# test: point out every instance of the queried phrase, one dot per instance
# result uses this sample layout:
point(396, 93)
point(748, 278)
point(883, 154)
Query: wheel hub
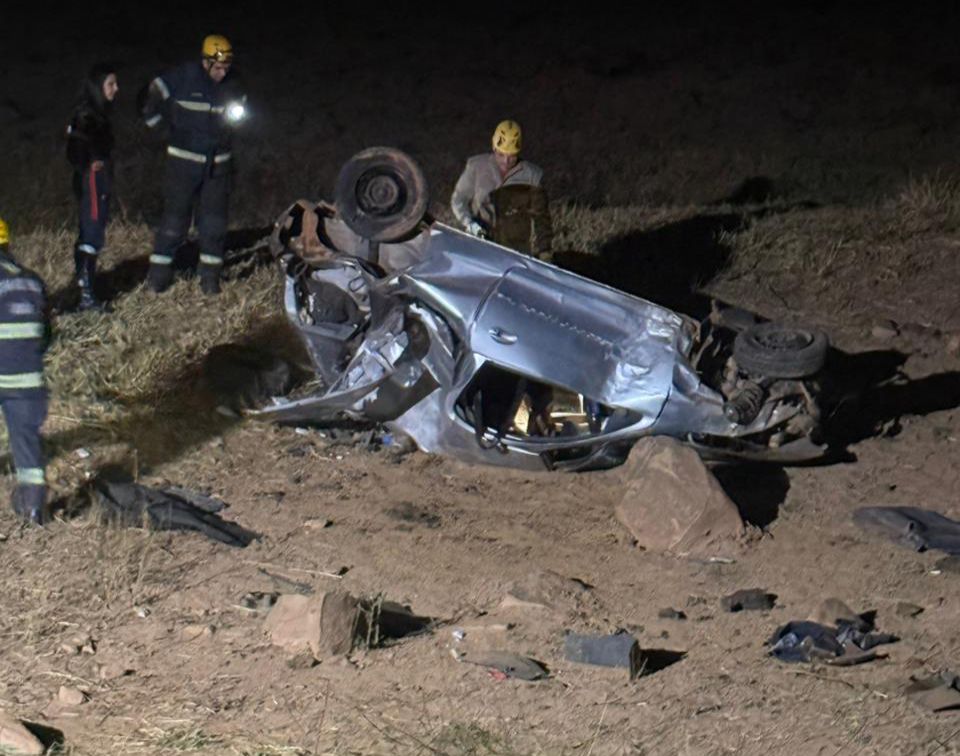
point(379, 193)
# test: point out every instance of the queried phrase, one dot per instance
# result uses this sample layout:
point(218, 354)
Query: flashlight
point(236, 112)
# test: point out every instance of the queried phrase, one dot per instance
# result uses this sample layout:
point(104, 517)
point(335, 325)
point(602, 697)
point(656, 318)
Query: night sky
point(827, 103)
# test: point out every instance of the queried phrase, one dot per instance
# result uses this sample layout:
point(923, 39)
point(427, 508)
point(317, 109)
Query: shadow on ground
point(866, 394)
point(243, 252)
point(757, 490)
point(665, 265)
point(203, 400)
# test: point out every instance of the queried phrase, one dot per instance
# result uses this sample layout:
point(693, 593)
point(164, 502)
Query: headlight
point(236, 112)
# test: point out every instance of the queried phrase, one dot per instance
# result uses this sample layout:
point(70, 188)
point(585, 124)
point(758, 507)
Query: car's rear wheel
point(773, 350)
point(381, 194)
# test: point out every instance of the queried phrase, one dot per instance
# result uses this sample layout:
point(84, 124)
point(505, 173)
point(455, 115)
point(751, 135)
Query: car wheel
point(773, 350)
point(381, 194)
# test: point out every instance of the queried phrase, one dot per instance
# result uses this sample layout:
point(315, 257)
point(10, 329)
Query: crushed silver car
point(480, 352)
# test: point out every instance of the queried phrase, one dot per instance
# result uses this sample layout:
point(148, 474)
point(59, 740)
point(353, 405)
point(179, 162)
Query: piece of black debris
point(940, 692)
point(259, 601)
point(619, 649)
point(912, 527)
point(906, 609)
point(133, 505)
point(749, 599)
point(671, 613)
point(509, 664)
point(841, 645)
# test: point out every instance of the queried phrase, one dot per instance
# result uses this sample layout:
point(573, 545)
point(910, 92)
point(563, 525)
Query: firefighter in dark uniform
point(201, 104)
point(89, 143)
point(23, 398)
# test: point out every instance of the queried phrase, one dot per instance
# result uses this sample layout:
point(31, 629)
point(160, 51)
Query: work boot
point(159, 277)
point(86, 268)
point(210, 279)
point(29, 503)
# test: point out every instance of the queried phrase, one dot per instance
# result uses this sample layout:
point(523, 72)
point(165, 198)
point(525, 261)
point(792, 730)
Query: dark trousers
point(93, 190)
point(187, 183)
point(24, 415)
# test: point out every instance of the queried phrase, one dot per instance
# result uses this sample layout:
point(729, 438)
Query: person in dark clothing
point(89, 144)
point(23, 398)
point(201, 104)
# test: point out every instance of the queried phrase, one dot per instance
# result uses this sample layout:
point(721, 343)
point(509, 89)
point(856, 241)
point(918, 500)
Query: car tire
point(381, 194)
point(774, 350)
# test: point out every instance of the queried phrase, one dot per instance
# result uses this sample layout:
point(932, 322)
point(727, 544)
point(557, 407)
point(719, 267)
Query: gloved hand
point(475, 229)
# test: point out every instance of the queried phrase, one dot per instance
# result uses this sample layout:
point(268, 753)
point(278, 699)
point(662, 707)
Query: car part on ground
point(482, 353)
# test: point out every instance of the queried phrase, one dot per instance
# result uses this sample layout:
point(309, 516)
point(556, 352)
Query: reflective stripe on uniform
point(154, 120)
point(162, 86)
point(199, 107)
point(87, 248)
point(21, 380)
point(196, 157)
point(157, 259)
point(210, 260)
point(31, 476)
point(12, 269)
point(21, 330)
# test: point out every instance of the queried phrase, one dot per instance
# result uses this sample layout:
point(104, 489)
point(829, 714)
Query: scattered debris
point(671, 613)
point(142, 612)
point(508, 665)
point(905, 609)
point(749, 599)
point(17, 739)
point(83, 453)
point(620, 649)
point(940, 692)
point(132, 505)
point(458, 634)
point(913, 527)
point(259, 601)
point(673, 503)
point(849, 639)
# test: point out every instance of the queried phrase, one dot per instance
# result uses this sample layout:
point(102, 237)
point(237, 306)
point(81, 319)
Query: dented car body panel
point(479, 352)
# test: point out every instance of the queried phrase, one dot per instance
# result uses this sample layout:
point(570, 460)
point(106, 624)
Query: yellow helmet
point(4, 232)
point(217, 48)
point(506, 138)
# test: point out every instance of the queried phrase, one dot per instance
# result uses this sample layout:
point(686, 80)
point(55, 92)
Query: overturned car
point(480, 352)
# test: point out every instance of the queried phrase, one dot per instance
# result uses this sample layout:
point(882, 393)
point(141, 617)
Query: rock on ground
point(17, 739)
point(672, 502)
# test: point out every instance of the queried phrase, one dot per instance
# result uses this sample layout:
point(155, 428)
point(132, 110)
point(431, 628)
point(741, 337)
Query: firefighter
point(201, 105)
point(23, 398)
point(89, 143)
point(484, 173)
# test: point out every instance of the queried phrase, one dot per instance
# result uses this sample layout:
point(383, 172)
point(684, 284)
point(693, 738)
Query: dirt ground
point(848, 219)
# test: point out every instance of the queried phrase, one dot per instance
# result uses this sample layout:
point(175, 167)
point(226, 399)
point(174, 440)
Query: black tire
point(381, 194)
point(773, 350)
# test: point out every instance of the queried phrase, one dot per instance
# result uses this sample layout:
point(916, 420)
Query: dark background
point(830, 103)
